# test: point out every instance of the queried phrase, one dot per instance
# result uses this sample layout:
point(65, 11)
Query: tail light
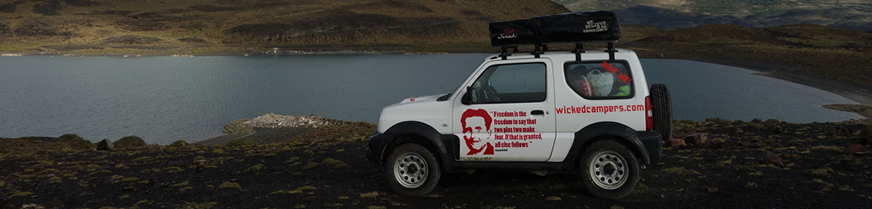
point(649, 114)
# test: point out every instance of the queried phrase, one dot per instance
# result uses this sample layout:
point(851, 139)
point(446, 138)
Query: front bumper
point(377, 144)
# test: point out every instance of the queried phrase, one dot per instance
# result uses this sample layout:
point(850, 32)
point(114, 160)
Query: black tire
point(412, 170)
point(609, 170)
point(661, 108)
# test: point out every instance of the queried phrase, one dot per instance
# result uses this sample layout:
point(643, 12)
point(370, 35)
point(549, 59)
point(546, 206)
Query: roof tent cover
point(573, 27)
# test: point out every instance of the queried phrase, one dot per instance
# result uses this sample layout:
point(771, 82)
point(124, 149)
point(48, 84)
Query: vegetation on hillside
point(204, 26)
point(839, 54)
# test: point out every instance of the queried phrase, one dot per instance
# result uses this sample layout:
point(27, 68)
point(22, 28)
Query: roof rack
point(576, 28)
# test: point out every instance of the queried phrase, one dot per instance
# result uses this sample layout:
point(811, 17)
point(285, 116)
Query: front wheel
point(609, 170)
point(411, 169)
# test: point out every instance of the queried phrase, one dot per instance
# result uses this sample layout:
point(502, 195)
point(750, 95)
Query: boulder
point(771, 158)
point(106, 144)
point(675, 143)
point(696, 138)
point(856, 149)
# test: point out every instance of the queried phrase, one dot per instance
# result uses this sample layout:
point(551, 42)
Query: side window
point(514, 83)
point(600, 80)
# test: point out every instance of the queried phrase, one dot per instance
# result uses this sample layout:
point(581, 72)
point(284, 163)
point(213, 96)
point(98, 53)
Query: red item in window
point(584, 87)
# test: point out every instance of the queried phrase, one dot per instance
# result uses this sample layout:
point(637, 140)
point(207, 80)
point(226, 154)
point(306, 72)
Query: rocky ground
point(325, 167)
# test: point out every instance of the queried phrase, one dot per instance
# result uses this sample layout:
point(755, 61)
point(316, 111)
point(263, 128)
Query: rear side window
point(600, 79)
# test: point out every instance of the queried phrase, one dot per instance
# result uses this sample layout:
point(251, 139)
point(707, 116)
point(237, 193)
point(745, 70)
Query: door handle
point(537, 112)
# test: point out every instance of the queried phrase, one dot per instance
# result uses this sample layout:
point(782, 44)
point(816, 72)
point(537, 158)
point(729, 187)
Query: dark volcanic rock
point(10, 7)
point(81, 3)
point(106, 144)
point(131, 39)
point(37, 27)
point(210, 8)
point(49, 7)
point(4, 28)
point(195, 40)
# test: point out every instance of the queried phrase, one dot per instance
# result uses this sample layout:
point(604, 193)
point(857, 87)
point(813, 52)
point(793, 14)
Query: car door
point(507, 114)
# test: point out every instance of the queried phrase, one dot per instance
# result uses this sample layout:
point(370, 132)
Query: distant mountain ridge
point(678, 14)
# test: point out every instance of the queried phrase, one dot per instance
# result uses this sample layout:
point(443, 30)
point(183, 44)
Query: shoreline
point(793, 73)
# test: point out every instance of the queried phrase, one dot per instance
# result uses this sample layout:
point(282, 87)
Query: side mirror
point(467, 97)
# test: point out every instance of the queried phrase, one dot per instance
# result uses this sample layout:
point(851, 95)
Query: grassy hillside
point(840, 54)
point(198, 26)
point(678, 14)
point(714, 7)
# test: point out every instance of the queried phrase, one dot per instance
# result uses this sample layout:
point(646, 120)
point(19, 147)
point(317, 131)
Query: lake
point(163, 99)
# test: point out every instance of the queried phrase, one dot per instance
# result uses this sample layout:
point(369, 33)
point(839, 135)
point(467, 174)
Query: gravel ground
point(332, 172)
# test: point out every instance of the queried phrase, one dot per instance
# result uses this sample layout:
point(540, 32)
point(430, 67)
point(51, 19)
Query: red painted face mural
point(477, 121)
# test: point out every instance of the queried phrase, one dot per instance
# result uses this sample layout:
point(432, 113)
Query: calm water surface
point(163, 99)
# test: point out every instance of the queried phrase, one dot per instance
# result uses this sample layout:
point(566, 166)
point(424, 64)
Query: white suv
point(586, 111)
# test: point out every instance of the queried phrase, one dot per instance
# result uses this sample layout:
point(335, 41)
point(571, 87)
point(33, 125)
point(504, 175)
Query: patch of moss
point(750, 185)
point(172, 169)
point(371, 194)
point(310, 166)
point(830, 148)
point(77, 142)
point(143, 158)
point(552, 198)
point(21, 194)
point(287, 192)
point(309, 152)
point(130, 179)
point(641, 186)
point(335, 163)
point(129, 141)
point(193, 205)
point(681, 171)
point(185, 189)
point(179, 143)
point(376, 207)
point(822, 171)
point(257, 167)
point(240, 142)
point(218, 151)
point(229, 185)
point(186, 183)
point(303, 188)
point(270, 154)
point(293, 159)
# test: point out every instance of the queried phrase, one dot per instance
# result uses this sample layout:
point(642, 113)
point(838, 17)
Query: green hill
point(202, 26)
point(839, 54)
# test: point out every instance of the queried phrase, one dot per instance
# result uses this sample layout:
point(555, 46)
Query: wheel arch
point(607, 131)
point(417, 132)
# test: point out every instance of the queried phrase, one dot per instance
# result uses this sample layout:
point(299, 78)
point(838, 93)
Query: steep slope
point(839, 54)
point(98, 26)
point(677, 14)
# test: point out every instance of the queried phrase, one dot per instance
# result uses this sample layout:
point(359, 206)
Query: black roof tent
point(575, 27)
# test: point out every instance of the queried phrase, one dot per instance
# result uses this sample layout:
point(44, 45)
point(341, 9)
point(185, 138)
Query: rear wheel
point(609, 170)
point(661, 109)
point(411, 169)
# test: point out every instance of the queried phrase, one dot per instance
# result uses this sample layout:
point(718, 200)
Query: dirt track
point(334, 173)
